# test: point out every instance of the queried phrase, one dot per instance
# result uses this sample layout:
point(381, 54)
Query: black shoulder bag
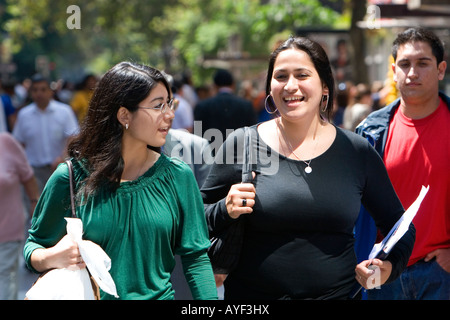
point(225, 248)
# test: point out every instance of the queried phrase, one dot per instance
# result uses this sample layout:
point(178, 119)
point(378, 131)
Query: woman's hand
point(65, 254)
point(375, 275)
point(240, 199)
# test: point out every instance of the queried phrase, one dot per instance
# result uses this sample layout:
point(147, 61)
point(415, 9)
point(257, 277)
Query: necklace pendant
point(308, 169)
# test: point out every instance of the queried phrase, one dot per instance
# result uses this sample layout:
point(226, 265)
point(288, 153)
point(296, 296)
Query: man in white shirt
point(44, 127)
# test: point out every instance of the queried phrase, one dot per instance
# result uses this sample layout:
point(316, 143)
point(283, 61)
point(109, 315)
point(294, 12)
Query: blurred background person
point(15, 172)
point(82, 96)
point(44, 128)
point(225, 110)
point(360, 109)
point(184, 114)
point(8, 112)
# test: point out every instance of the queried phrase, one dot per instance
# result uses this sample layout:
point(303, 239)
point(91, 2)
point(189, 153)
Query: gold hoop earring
point(268, 108)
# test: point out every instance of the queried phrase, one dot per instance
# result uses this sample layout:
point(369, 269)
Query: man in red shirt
point(413, 136)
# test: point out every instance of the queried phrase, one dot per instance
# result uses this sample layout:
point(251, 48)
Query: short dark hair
point(419, 34)
point(320, 60)
point(223, 78)
point(36, 78)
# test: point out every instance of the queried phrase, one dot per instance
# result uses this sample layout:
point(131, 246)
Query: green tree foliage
point(169, 34)
point(204, 27)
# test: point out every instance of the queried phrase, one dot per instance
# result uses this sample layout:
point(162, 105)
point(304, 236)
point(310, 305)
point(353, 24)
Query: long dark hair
point(99, 144)
point(320, 60)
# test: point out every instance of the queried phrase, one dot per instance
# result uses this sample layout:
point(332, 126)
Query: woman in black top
point(310, 179)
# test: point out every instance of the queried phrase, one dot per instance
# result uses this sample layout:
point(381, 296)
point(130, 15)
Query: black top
point(299, 239)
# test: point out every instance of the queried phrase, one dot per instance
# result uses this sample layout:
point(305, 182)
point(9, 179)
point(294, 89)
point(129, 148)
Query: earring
point(268, 108)
point(323, 109)
point(126, 126)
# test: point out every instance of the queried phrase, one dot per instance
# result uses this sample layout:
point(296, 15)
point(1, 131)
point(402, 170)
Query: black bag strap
point(225, 248)
point(72, 195)
point(247, 157)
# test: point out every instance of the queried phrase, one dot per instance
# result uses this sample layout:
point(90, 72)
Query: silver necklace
point(308, 168)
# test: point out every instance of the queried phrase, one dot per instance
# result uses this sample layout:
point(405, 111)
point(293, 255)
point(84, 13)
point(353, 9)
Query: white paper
point(97, 261)
point(62, 284)
point(66, 284)
point(400, 228)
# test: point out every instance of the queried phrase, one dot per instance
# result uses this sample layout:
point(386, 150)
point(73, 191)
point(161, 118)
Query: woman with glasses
point(139, 205)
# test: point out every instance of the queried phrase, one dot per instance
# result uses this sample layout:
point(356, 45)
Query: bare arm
point(64, 254)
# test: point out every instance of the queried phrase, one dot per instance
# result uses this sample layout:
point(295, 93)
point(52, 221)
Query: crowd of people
point(151, 190)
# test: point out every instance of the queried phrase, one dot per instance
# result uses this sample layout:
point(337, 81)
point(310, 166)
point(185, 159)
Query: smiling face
point(296, 87)
point(416, 72)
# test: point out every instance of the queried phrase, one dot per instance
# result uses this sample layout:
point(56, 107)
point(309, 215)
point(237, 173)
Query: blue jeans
point(421, 281)
point(9, 267)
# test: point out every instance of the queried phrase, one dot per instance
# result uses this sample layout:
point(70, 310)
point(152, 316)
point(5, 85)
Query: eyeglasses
point(172, 104)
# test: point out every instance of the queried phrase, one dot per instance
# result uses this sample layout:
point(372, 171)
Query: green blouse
point(141, 226)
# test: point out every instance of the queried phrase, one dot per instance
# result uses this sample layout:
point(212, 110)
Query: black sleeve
point(381, 201)
point(401, 252)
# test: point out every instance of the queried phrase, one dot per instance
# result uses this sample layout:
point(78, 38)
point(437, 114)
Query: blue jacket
point(375, 128)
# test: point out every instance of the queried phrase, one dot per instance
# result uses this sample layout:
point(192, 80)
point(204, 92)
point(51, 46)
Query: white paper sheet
point(65, 284)
point(400, 228)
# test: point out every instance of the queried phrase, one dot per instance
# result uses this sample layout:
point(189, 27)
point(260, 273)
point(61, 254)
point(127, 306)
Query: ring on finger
point(244, 202)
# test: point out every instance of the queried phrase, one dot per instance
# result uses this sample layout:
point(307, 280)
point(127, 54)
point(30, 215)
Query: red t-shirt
point(418, 153)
